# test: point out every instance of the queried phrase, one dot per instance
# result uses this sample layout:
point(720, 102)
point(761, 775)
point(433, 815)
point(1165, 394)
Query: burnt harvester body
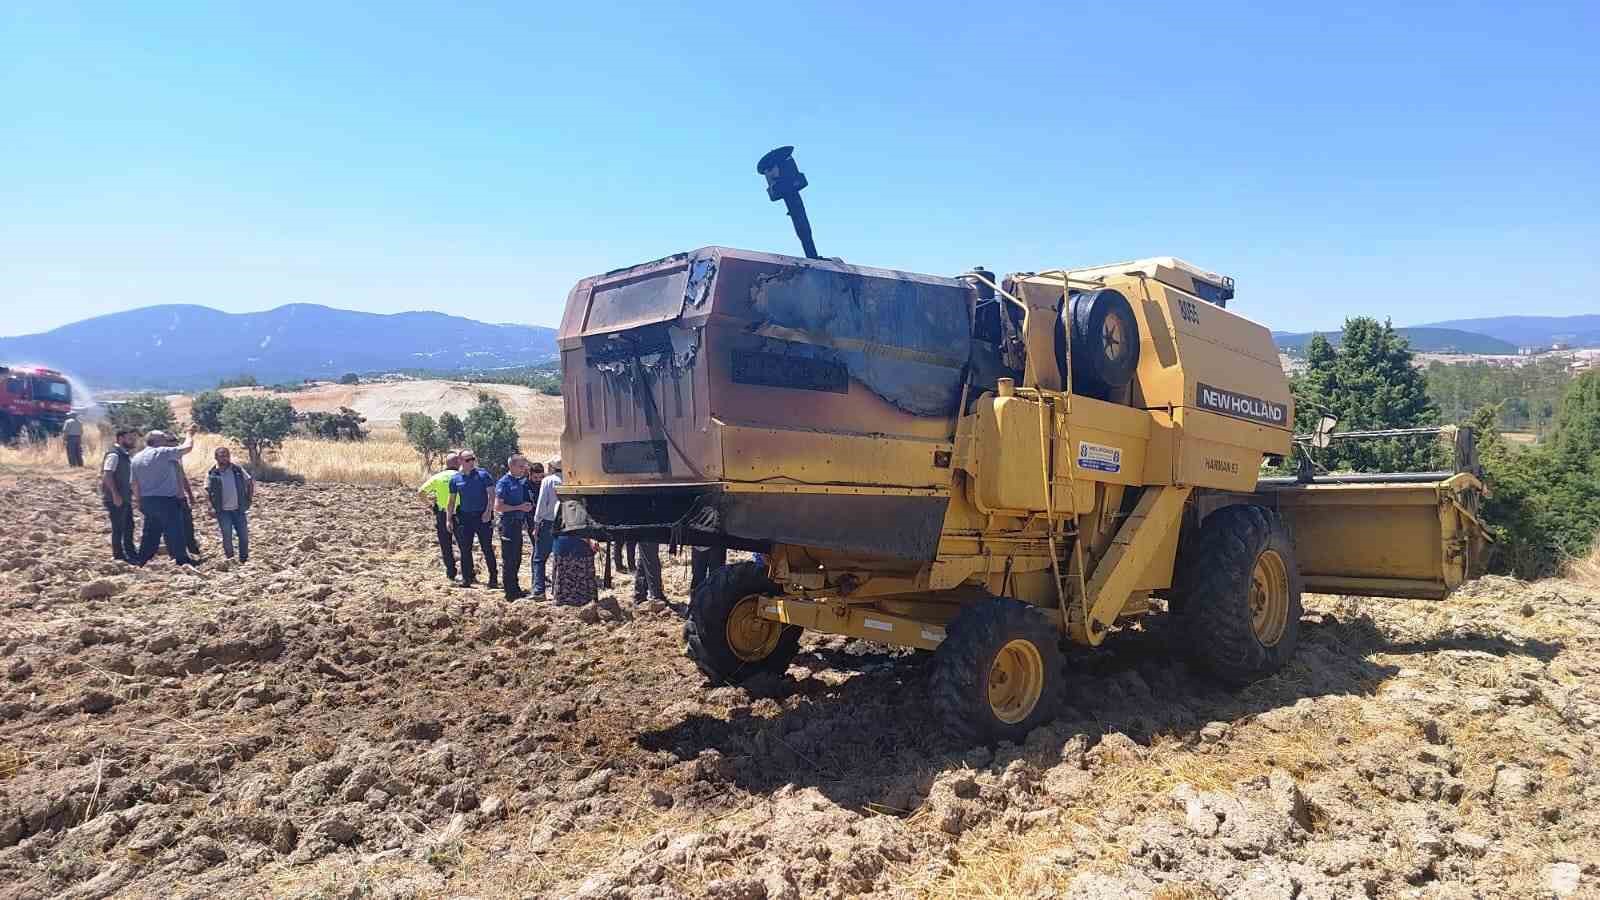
point(975, 467)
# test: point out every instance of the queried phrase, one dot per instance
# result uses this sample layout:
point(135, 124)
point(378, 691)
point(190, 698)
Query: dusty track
point(333, 720)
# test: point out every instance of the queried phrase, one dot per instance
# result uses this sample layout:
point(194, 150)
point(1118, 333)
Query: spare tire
point(1105, 342)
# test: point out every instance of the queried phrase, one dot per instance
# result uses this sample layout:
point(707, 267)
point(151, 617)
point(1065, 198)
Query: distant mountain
point(1423, 338)
point(1534, 331)
point(181, 347)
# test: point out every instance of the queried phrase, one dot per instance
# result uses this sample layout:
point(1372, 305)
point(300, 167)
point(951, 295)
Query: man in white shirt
point(72, 437)
point(544, 518)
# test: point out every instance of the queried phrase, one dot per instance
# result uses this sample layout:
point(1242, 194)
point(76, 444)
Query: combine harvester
point(974, 466)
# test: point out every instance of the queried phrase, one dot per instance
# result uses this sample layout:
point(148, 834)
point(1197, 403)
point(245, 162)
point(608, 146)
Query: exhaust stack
point(785, 181)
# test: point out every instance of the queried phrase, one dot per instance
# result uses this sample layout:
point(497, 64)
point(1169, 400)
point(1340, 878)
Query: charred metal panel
point(903, 339)
point(878, 525)
point(634, 457)
point(890, 526)
point(791, 365)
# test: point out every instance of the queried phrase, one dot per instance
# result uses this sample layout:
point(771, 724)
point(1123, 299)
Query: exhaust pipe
point(785, 181)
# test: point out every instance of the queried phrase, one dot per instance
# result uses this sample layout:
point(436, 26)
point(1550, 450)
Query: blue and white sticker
point(1099, 457)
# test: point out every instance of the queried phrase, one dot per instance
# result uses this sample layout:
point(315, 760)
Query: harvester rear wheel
point(998, 674)
point(726, 637)
point(1238, 594)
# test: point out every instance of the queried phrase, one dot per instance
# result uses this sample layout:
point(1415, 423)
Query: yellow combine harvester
point(974, 466)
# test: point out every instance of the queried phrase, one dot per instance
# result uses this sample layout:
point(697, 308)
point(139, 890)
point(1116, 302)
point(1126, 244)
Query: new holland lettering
point(1241, 406)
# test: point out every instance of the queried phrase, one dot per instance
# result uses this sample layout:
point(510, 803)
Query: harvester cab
point(976, 466)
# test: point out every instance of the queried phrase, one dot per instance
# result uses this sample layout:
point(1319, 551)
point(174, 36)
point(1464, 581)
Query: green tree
point(206, 410)
point(454, 430)
point(258, 423)
point(1577, 426)
point(1369, 382)
point(491, 433)
point(237, 381)
point(349, 378)
point(1543, 506)
point(335, 426)
point(143, 413)
point(424, 436)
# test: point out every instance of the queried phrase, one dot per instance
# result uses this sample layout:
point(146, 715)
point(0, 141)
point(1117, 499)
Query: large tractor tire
point(1237, 593)
point(726, 637)
point(998, 674)
point(1105, 342)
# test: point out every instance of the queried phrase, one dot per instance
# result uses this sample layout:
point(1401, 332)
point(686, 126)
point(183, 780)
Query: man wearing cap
point(544, 520)
point(436, 490)
point(116, 493)
point(471, 517)
point(513, 502)
point(72, 437)
point(156, 477)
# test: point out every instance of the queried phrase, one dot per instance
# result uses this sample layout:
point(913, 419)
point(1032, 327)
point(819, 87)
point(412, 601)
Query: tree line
point(1527, 396)
point(1543, 506)
point(258, 423)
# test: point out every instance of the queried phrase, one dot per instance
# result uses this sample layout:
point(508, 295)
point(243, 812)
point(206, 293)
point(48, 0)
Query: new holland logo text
point(1241, 406)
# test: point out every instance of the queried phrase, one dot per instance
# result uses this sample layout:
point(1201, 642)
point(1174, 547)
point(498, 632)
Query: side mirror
point(1320, 436)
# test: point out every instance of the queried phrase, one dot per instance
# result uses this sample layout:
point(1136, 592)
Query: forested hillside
point(1527, 396)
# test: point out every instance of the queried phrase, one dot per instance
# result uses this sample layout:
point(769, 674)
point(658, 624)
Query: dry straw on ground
point(384, 458)
point(1586, 570)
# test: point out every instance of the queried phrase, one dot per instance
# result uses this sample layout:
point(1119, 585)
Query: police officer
point(513, 503)
point(471, 517)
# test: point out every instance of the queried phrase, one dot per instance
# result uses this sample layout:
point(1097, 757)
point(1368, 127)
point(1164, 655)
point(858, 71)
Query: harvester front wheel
point(726, 637)
point(998, 673)
point(1238, 593)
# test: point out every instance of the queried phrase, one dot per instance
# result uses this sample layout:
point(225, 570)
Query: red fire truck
point(33, 400)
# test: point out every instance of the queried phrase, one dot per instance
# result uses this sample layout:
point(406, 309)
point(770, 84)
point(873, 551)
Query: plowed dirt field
point(335, 720)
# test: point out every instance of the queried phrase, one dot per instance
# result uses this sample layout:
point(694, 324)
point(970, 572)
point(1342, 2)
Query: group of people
point(153, 479)
point(465, 499)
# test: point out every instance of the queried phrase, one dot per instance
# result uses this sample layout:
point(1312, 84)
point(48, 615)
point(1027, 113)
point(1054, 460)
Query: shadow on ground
point(857, 732)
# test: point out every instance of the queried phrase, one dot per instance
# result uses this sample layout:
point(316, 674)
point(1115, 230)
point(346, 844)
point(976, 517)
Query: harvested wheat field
point(334, 720)
point(383, 402)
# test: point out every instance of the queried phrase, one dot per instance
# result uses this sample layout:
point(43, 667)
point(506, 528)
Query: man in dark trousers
point(545, 506)
point(437, 492)
point(72, 438)
point(156, 478)
point(702, 562)
point(186, 505)
point(471, 517)
point(513, 503)
point(116, 492)
point(647, 574)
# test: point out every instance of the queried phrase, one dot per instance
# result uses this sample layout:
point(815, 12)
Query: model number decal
point(1241, 406)
point(1189, 311)
point(1222, 465)
point(1099, 457)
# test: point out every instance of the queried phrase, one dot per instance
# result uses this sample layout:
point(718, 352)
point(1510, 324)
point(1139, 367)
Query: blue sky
point(1405, 160)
